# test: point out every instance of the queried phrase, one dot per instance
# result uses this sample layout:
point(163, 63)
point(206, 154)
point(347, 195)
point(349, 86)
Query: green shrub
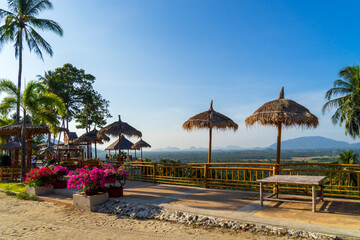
point(5, 161)
point(50, 162)
point(25, 196)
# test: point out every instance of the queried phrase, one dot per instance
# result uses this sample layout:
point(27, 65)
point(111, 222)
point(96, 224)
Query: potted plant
point(39, 181)
point(115, 180)
point(60, 172)
point(88, 180)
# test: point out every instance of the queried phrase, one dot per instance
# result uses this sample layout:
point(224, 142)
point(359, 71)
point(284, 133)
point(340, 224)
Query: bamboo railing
point(343, 180)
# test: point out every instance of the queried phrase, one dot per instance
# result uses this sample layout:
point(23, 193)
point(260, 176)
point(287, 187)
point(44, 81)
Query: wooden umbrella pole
point(278, 146)
point(119, 147)
point(95, 151)
point(141, 154)
point(210, 137)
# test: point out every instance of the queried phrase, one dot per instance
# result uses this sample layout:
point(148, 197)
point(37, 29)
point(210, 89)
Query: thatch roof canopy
point(72, 135)
point(31, 130)
point(45, 144)
point(48, 149)
point(119, 128)
point(210, 119)
point(284, 111)
point(91, 137)
point(16, 145)
point(140, 144)
point(125, 144)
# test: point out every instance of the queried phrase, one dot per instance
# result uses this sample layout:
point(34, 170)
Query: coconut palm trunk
point(23, 137)
point(19, 76)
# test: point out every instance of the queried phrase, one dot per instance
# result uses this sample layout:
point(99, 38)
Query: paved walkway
point(340, 217)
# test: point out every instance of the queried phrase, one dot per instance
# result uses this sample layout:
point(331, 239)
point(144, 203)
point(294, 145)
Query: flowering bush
point(87, 179)
point(97, 178)
point(115, 177)
point(40, 177)
point(59, 172)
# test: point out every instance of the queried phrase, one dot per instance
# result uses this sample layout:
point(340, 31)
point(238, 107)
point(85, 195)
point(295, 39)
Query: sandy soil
point(20, 219)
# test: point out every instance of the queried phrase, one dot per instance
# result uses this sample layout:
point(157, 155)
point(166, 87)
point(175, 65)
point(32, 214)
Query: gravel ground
point(20, 219)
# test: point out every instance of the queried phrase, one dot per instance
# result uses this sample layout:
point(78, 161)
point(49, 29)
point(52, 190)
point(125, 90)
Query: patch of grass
point(13, 186)
point(26, 196)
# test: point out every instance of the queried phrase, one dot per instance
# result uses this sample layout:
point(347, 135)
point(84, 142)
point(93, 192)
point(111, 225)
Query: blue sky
point(160, 62)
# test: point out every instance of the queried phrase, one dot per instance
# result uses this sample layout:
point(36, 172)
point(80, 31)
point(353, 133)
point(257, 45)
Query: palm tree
point(348, 103)
point(20, 23)
point(346, 157)
point(35, 101)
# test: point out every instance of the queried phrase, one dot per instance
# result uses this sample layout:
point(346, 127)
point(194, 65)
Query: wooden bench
point(313, 181)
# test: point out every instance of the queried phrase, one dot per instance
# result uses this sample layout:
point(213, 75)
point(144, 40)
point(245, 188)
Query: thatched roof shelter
point(125, 144)
point(16, 145)
point(210, 119)
point(141, 144)
point(117, 129)
point(282, 112)
point(48, 149)
point(92, 137)
point(31, 130)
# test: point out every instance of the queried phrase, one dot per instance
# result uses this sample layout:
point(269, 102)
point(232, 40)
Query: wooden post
point(1, 174)
point(206, 171)
point(261, 194)
point(141, 153)
point(95, 151)
point(278, 144)
point(154, 173)
point(119, 145)
point(314, 198)
point(210, 138)
point(28, 153)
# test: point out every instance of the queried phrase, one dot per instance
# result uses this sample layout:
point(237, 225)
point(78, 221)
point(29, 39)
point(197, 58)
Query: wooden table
point(313, 181)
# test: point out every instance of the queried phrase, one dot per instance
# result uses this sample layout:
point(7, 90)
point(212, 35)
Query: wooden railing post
point(154, 173)
point(1, 174)
point(206, 172)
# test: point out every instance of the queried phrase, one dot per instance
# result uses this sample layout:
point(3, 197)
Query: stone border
point(143, 211)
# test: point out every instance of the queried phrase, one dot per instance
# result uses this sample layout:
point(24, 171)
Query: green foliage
point(50, 162)
point(25, 196)
point(346, 157)
point(82, 102)
point(147, 160)
point(21, 21)
point(347, 105)
point(165, 160)
point(5, 161)
point(13, 186)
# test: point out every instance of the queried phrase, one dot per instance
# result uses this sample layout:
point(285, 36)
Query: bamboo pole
point(119, 146)
point(210, 137)
point(95, 151)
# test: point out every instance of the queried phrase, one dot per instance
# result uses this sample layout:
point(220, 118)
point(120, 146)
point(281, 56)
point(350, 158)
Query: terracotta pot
point(91, 192)
point(60, 184)
point(115, 192)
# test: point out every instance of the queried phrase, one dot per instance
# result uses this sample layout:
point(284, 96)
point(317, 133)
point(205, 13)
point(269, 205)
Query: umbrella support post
point(210, 138)
point(28, 153)
point(278, 149)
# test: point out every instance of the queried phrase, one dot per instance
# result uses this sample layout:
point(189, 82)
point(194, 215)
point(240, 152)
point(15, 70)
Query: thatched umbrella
point(117, 129)
point(125, 144)
point(282, 112)
point(92, 137)
point(140, 144)
point(210, 119)
point(31, 131)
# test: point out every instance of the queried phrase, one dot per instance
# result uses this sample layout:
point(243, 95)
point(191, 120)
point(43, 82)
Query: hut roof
point(46, 144)
point(118, 128)
point(91, 137)
point(72, 135)
point(48, 149)
point(210, 119)
point(16, 145)
point(15, 129)
point(140, 144)
point(284, 111)
point(125, 144)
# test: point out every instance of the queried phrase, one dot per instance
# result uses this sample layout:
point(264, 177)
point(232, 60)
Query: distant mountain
point(195, 149)
point(167, 149)
point(315, 142)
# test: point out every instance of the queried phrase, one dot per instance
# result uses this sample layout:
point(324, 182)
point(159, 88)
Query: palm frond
point(39, 6)
point(46, 24)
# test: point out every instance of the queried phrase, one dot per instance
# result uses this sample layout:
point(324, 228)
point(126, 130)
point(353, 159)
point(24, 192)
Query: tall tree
point(345, 97)
point(69, 83)
point(21, 23)
point(35, 101)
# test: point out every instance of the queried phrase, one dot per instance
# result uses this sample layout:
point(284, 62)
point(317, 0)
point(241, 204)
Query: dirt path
point(20, 219)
